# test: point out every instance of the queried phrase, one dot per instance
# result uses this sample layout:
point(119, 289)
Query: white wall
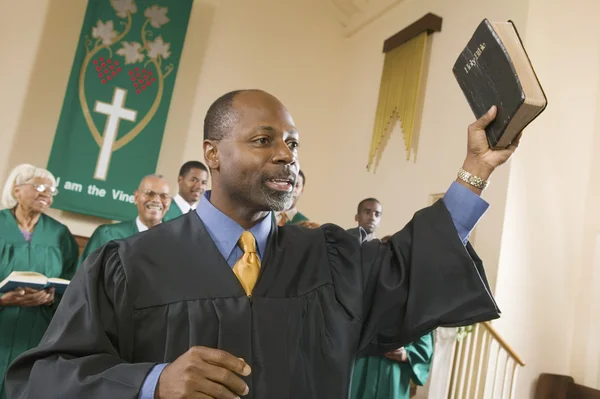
point(19, 58)
point(541, 260)
point(585, 362)
point(586, 346)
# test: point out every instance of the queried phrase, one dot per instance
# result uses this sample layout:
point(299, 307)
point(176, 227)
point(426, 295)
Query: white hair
point(20, 175)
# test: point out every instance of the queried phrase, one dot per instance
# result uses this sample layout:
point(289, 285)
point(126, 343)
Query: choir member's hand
point(26, 297)
point(203, 373)
point(11, 298)
point(50, 301)
point(481, 160)
point(399, 355)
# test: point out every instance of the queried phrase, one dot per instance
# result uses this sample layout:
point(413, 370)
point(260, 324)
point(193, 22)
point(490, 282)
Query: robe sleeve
point(70, 253)
point(88, 347)
point(419, 355)
point(421, 279)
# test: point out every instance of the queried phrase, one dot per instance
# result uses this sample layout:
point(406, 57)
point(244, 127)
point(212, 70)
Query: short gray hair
point(20, 175)
point(153, 176)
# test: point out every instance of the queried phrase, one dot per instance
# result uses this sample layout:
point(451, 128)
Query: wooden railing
point(483, 366)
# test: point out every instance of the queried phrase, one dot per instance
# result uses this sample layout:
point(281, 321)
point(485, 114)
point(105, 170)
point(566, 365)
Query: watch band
point(473, 180)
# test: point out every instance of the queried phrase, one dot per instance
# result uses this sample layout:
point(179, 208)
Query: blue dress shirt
point(465, 208)
point(226, 233)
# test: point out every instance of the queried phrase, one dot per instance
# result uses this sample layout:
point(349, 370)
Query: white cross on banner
point(114, 112)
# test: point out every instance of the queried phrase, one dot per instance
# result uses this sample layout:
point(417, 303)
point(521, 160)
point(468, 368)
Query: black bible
point(494, 69)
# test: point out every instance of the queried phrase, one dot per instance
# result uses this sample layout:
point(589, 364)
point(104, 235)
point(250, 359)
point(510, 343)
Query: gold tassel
point(398, 94)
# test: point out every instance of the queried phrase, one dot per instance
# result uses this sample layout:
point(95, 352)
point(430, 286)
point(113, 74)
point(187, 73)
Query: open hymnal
point(32, 280)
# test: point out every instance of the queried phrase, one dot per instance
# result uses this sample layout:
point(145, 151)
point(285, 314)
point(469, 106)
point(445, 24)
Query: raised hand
point(480, 156)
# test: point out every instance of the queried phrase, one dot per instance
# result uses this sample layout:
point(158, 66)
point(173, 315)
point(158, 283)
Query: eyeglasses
point(41, 188)
point(151, 194)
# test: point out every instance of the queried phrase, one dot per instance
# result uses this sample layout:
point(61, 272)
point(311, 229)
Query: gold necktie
point(247, 267)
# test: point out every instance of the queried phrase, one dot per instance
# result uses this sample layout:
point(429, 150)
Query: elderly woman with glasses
point(30, 241)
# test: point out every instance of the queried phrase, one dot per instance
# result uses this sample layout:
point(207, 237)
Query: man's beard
point(277, 200)
point(265, 199)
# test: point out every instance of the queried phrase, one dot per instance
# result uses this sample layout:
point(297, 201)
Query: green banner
point(115, 109)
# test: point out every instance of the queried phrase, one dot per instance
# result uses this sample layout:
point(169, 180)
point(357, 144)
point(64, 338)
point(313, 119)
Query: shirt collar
point(226, 233)
point(361, 234)
point(183, 204)
point(365, 236)
point(140, 226)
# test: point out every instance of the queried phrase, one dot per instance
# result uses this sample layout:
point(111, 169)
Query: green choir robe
point(109, 232)
point(382, 378)
point(298, 217)
point(52, 251)
point(173, 212)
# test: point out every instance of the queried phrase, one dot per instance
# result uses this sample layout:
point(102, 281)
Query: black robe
point(321, 299)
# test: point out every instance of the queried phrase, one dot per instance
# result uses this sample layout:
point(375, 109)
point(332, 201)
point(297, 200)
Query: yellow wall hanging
point(401, 86)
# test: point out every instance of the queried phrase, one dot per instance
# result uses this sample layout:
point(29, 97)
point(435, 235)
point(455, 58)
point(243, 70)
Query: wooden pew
point(554, 386)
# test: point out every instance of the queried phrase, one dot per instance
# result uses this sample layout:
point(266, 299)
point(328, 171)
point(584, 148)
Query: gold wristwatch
point(473, 180)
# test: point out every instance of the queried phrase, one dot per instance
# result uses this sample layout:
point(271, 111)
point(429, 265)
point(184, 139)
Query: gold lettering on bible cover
point(473, 61)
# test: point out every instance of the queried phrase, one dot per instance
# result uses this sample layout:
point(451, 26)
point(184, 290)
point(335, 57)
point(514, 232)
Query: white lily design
point(132, 51)
point(104, 31)
point(157, 15)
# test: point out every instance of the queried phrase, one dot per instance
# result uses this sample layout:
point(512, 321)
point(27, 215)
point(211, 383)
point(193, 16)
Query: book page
point(32, 277)
point(57, 280)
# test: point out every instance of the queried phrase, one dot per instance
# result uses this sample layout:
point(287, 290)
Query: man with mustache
point(152, 199)
point(223, 303)
point(192, 182)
